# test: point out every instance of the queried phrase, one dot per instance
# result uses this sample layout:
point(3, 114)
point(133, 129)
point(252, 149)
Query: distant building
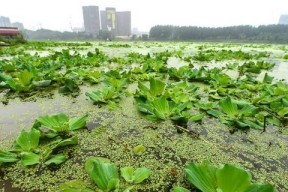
point(91, 19)
point(5, 22)
point(283, 20)
point(103, 16)
point(19, 25)
point(111, 20)
point(123, 23)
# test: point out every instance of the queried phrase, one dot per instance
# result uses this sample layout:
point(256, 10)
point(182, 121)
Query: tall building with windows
point(103, 16)
point(91, 19)
point(123, 23)
point(111, 20)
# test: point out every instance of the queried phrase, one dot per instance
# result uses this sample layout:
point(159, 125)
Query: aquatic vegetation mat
point(150, 112)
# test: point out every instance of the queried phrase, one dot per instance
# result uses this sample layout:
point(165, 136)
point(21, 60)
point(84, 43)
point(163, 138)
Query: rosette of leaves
point(22, 82)
point(162, 109)
point(255, 67)
point(156, 88)
point(274, 100)
point(104, 95)
point(118, 84)
point(182, 92)
point(69, 85)
point(59, 124)
point(238, 114)
point(103, 173)
point(181, 73)
point(135, 176)
point(30, 151)
point(226, 178)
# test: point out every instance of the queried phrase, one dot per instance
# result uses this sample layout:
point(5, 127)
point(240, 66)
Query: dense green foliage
point(269, 33)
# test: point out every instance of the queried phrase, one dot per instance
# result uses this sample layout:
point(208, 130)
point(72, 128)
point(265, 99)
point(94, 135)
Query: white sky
point(62, 14)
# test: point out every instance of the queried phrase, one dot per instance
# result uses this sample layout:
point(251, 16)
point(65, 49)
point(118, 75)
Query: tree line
point(245, 33)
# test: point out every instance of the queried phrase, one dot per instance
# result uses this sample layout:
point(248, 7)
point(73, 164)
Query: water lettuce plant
point(59, 124)
point(238, 114)
point(135, 176)
point(226, 178)
point(103, 173)
point(104, 95)
point(156, 88)
point(42, 144)
point(162, 109)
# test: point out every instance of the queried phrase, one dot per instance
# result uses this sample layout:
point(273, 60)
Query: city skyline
point(206, 13)
point(96, 20)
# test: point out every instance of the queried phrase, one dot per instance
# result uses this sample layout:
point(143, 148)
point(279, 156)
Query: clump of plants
point(106, 176)
point(43, 143)
point(225, 178)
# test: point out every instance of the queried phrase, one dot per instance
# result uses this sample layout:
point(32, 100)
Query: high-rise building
point(123, 23)
point(103, 16)
point(283, 20)
point(5, 22)
point(91, 19)
point(111, 20)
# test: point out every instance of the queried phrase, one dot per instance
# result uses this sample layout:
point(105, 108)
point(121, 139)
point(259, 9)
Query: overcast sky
point(62, 14)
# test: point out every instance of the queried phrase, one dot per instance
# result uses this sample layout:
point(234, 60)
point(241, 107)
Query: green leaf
point(214, 113)
point(104, 95)
point(28, 140)
point(29, 158)
point(25, 77)
point(283, 112)
point(180, 189)
point(104, 174)
point(56, 123)
point(161, 108)
point(70, 141)
point(260, 188)
point(229, 107)
point(202, 176)
point(135, 177)
point(7, 157)
point(77, 123)
point(267, 78)
point(156, 87)
point(74, 186)
point(141, 174)
point(197, 117)
point(127, 173)
point(139, 149)
point(232, 179)
point(113, 184)
point(56, 159)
